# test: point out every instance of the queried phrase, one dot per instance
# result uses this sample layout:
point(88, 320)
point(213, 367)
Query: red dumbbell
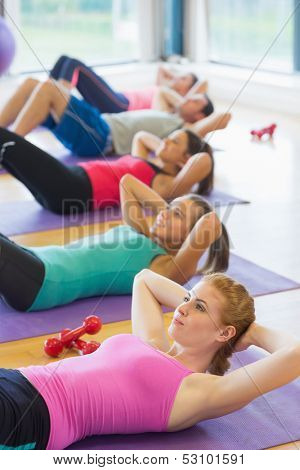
point(259, 133)
point(54, 346)
point(85, 347)
point(61, 334)
point(91, 325)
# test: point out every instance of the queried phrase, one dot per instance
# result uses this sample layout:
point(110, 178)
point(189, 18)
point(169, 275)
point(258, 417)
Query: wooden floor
point(267, 231)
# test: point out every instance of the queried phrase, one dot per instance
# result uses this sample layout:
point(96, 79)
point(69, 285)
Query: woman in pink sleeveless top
point(140, 382)
point(94, 89)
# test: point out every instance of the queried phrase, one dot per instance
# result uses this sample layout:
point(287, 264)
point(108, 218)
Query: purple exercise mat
point(269, 420)
point(21, 217)
point(18, 325)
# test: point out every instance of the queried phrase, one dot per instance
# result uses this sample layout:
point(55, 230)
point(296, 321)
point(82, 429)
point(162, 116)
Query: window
point(241, 31)
point(95, 31)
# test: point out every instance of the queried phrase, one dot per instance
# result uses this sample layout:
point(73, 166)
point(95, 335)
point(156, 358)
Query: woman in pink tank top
point(96, 91)
point(140, 382)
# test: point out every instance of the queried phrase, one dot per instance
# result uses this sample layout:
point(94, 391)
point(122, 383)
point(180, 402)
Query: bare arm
point(183, 265)
point(243, 385)
point(195, 170)
point(166, 99)
point(269, 339)
point(164, 75)
point(200, 87)
point(135, 197)
point(150, 291)
point(143, 143)
point(208, 124)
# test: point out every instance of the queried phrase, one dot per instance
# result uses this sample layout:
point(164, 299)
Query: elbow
point(212, 219)
point(139, 135)
point(142, 274)
point(127, 178)
point(296, 349)
point(124, 179)
point(204, 163)
point(211, 224)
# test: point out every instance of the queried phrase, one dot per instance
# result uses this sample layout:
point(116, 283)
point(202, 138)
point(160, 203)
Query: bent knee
point(63, 58)
point(30, 83)
point(48, 88)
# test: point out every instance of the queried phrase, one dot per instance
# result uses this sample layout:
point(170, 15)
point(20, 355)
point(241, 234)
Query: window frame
point(149, 26)
point(296, 42)
point(197, 37)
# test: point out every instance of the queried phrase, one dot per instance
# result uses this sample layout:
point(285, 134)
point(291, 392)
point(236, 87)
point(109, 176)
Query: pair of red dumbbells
point(70, 338)
point(259, 133)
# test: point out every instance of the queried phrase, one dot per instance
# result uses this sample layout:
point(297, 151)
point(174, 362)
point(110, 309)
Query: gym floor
point(266, 231)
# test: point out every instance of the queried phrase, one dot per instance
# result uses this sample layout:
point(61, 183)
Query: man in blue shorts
point(87, 132)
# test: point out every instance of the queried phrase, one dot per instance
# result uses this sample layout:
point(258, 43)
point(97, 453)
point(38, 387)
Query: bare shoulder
point(191, 403)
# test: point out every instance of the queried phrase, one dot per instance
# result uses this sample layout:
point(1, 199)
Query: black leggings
point(93, 88)
point(21, 275)
point(24, 415)
point(57, 187)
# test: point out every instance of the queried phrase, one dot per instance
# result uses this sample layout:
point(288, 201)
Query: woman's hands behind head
point(246, 339)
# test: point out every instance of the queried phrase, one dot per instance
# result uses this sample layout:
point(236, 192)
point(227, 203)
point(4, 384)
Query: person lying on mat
point(106, 263)
point(95, 184)
point(140, 382)
point(73, 73)
point(85, 131)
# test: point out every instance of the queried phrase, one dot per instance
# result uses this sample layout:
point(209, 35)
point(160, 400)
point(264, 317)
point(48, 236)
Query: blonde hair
point(238, 311)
